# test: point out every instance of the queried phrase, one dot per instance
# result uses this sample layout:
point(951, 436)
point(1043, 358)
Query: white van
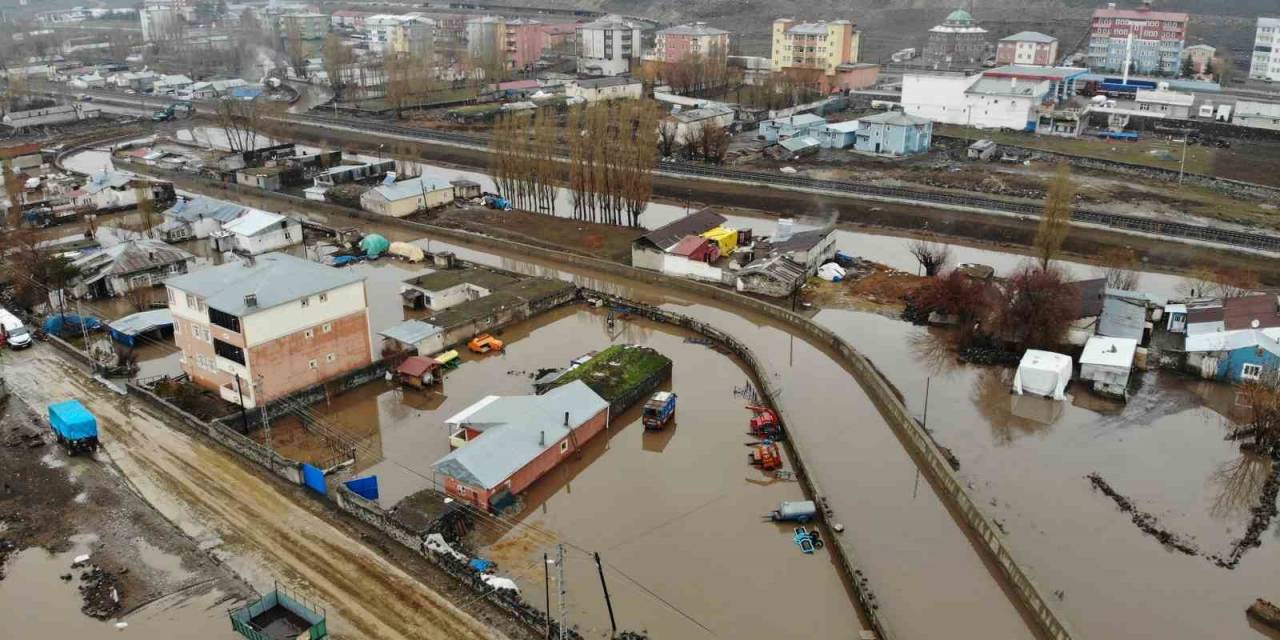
point(15, 333)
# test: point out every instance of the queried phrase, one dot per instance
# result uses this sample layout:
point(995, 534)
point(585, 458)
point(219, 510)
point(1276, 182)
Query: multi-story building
point(415, 35)
point(607, 46)
point(381, 29)
point(1265, 64)
point(161, 20)
point(308, 26)
point(1152, 41)
point(677, 43)
point(485, 37)
point(1027, 47)
point(1199, 57)
point(824, 54)
point(259, 329)
point(957, 41)
point(523, 42)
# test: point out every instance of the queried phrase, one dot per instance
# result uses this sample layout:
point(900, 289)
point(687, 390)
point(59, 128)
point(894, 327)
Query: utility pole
point(563, 595)
point(546, 587)
point(607, 602)
point(266, 429)
point(244, 420)
point(926, 402)
point(1182, 168)
point(84, 331)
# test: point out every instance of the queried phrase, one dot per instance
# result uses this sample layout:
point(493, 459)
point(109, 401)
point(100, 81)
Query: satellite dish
point(1254, 323)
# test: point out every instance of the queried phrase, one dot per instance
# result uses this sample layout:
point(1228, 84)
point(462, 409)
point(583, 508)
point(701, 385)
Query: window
point(191, 301)
point(306, 302)
point(309, 333)
point(287, 236)
point(177, 327)
point(313, 364)
point(224, 320)
point(326, 327)
point(228, 351)
point(324, 297)
point(1251, 371)
point(169, 292)
point(564, 446)
point(331, 357)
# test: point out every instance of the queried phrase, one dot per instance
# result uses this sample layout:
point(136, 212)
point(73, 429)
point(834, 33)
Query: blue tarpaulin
point(64, 323)
point(72, 421)
point(364, 487)
point(374, 245)
point(342, 261)
point(313, 478)
point(480, 564)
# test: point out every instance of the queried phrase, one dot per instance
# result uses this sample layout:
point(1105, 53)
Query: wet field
point(677, 511)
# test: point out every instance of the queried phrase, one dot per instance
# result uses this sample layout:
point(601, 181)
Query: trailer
point(795, 511)
point(73, 425)
point(659, 410)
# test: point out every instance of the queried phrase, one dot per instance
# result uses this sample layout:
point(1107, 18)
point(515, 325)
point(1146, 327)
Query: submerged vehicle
point(484, 343)
point(659, 410)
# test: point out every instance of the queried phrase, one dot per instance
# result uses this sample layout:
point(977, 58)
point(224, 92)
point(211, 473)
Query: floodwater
point(36, 603)
point(684, 507)
point(1026, 459)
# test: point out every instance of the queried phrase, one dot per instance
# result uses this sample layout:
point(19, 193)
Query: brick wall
point(285, 364)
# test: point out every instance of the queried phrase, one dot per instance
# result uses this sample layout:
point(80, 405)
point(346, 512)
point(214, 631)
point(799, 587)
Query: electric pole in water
point(608, 603)
point(563, 594)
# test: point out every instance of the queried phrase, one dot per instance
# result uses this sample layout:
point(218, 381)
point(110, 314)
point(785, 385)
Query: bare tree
point(1055, 221)
point(668, 136)
point(337, 57)
point(1259, 423)
point(295, 50)
point(1036, 309)
point(1119, 268)
point(931, 256)
point(240, 121)
point(714, 142)
point(1205, 282)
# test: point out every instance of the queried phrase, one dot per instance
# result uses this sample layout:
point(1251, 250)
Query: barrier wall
point(887, 400)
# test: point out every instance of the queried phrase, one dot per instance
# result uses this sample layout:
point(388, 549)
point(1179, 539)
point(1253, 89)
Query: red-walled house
point(505, 443)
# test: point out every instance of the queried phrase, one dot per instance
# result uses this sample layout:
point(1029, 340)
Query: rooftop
point(411, 188)
point(516, 430)
point(697, 223)
point(1141, 13)
point(1029, 36)
point(896, 118)
point(444, 279)
point(695, 29)
point(799, 143)
point(411, 331)
point(130, 256)
point(107, 180)
point(798, 241)
point(1034, 72)
point(1122, 318)
point(1251, 312)
point(274, 278)
point(1165, 97)
point(1008, 87)
point(609, 81)
point(1109, 352)
point(254, 222)
point(202, 207)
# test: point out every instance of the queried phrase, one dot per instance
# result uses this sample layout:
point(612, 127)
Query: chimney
point(542, 438)
point(566, 418)
point(251, 300)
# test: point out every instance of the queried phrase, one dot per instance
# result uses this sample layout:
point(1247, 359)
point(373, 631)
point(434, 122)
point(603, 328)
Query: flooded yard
point(1164, 450)
point(676, 512)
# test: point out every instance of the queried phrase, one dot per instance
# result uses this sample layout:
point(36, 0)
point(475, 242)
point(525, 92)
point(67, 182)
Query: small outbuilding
point(419, 371)
point(1107, 362)
point(982, 150)
point(1043, 373)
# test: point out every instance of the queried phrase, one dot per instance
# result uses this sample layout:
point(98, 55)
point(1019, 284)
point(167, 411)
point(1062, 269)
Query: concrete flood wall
point(873, 383)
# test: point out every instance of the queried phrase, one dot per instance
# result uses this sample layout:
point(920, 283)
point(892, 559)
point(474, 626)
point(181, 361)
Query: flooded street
point(1164, 450)
point(260, 533)
point(684, 506)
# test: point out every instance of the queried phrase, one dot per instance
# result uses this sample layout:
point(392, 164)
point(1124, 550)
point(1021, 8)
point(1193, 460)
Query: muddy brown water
point(676, 512)
point(1025, 459)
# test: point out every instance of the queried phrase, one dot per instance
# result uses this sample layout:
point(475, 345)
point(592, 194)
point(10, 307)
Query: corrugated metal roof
point(412, 188)
point(895, 118)
point(107, 180)
point(697, 223)
point(202, 207)
point(516, 430)
point(1029, 36)
point(411, 331)
point(129, 257)
point(142, 322)
point(800, 143)
point(695, 29)
point(1122, 318)
point(253, 222)
point(275, 278)
point(441, 280)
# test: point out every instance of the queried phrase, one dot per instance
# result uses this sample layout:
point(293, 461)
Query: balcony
point(230, 394)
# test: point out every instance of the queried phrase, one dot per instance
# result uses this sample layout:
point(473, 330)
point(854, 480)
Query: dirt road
point(262, 533)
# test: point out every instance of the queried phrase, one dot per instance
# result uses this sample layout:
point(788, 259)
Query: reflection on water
point(992, 395)
point(1239, 485)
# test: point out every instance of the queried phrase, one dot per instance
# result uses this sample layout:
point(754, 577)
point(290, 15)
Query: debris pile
point(1145, 521)
point(100, 590)
point(1263, 513)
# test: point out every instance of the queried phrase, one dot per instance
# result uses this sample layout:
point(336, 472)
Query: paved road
point(264, 533)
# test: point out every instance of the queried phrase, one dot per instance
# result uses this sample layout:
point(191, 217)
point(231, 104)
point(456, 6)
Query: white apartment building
point(974, 101)
point(1265, 64)
point(607, 46)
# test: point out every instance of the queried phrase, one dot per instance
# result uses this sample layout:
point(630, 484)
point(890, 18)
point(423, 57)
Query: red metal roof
point(688, 245)
point(1141, 14)
point(1240, 313)
point(416, 366)
point(19, 150)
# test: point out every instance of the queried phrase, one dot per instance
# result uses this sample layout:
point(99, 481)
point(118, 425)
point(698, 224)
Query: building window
point(224, 320)
point(228, 351)
point(324, 297)
point(331, 357)
point(309, 333)
point(1251, 371)
point(564, 446)
point(306, 302)
point(326, 327)
point(313, 364)
point(191, 301)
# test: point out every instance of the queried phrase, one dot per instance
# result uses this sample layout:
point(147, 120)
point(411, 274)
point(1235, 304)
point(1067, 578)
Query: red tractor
point(765, 423)
point(767, 456)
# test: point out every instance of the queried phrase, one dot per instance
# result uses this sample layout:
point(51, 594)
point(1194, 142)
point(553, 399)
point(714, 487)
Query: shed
point(423, 337)
point(649, 251)
point(797, 147)
point(697, 248)
point(1107, 362)
point(419, 371)
point(724, 238)
point(1043, 373)
point(1123, 318)
point(982, 150)
point(126, 330)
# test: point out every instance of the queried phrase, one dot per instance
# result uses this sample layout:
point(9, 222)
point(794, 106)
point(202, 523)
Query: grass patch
point(1150, 151)
point(616, 370)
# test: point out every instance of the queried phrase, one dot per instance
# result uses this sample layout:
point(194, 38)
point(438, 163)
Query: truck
point(14, 333)
point(73, 426)
point(484, 343)
point(659, 410)
point(172, 111)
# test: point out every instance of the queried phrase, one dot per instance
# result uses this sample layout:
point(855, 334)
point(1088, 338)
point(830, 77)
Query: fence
point(877, 387)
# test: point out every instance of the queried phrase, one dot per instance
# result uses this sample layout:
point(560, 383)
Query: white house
point(440, 290)
point(256, 232)
point(1107, 362)
point(171, 84)
point(111, 190)
point(609, 88)
point(54, 115)
point(1260, 115)
point(407, 196)
point(607, 46)
point(687, 122)
point(974, 101)
point(199, 218)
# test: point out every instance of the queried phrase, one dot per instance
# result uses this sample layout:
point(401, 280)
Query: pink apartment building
point(677, 43)
point(259, 329)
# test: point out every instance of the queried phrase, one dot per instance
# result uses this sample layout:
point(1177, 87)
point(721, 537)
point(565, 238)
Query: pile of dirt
point(100, 591)
point(867, 285)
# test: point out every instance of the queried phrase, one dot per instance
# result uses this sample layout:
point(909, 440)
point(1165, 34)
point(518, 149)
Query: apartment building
point(1265, 64)
point(1027, 47)
point(607, 47)
point(307, 26)
point(415, 35)
point(1151, 40)
point(675, 44)
point(485, 37)
point(258, 329)
point(821, 53)
point(957, 41)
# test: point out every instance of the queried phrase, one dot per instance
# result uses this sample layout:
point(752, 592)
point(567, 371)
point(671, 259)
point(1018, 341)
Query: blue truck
point(73, 425)
point(659, 410)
